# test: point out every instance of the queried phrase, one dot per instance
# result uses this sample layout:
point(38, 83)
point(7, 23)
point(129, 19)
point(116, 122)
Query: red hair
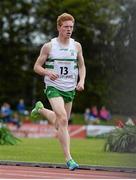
point(64, 17)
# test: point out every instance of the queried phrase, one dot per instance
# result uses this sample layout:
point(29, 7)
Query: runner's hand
point(52, 75)
point(80, 86)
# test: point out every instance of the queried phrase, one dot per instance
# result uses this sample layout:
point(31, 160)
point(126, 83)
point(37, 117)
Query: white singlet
point(62, 60)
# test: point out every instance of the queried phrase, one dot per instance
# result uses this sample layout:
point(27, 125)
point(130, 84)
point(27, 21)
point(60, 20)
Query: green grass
point(85, 151)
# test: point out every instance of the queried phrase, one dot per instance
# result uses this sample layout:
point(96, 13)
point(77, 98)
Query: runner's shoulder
point(78, 46)
point(47, 47)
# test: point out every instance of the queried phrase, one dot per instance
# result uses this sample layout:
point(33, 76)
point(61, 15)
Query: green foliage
point(122, 140)
point(6, 137)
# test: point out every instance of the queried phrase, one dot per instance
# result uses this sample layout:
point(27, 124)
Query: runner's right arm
point(38, 66)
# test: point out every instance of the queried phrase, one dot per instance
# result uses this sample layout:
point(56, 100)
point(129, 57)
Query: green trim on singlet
point(52, 60)
point(52, 66)
point(49, 66)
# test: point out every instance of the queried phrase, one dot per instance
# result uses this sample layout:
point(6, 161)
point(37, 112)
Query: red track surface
point(23, 172)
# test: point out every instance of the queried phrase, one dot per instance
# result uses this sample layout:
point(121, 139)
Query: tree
point(26, 25)
point(123, 88)
point(16, 50)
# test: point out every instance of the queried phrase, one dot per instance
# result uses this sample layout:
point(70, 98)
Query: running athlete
point(64, 73)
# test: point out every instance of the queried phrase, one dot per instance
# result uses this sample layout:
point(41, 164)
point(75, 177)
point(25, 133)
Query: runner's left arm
point(81, 67)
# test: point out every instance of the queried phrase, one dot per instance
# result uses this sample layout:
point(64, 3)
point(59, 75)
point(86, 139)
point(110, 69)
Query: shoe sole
point(74, 168)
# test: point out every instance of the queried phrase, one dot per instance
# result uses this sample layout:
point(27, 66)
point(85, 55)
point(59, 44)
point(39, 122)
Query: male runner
point(64, 67)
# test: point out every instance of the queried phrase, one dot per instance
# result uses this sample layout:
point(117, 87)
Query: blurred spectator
point(90, 118)
point(94, 112)
point(87, 115)
point(104, 114)
point(8, 116)
point(21, 108)
point(6, 112)
point(15, 120)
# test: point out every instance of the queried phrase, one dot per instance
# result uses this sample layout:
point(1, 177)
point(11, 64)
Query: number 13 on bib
point(65, 69)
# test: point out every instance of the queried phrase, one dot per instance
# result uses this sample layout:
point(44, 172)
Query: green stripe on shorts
point(52, 92)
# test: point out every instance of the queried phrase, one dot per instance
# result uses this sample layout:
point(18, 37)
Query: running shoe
point(72, 165)
point(35, 115)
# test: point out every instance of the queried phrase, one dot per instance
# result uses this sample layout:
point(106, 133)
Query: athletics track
point(19, 170)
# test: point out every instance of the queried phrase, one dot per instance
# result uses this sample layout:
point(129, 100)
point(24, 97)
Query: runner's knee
point(62, 119)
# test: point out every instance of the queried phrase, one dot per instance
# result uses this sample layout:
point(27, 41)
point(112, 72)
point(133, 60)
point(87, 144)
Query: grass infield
point(84, 151)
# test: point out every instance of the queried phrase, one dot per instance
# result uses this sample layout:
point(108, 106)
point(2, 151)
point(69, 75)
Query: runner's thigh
point(57, 104)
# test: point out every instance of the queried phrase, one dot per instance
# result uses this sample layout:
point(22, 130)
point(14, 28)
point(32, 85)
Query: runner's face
point(66, 29)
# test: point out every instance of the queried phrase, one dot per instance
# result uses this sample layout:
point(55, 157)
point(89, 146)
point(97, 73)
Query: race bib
point(65, 69)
